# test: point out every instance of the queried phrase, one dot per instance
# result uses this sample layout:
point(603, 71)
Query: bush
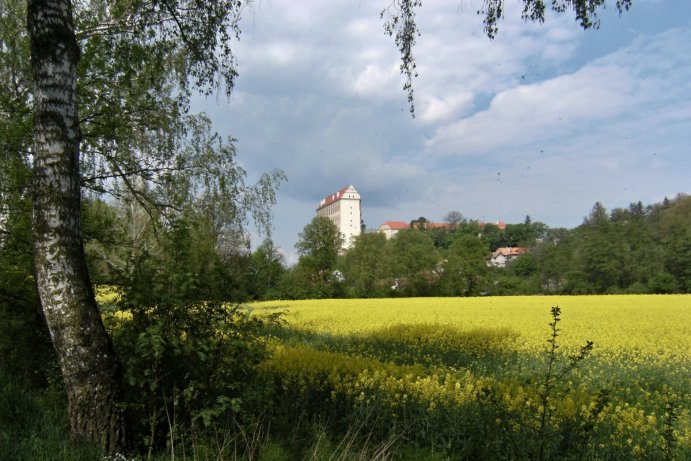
point(190, 372)
point(663, 283)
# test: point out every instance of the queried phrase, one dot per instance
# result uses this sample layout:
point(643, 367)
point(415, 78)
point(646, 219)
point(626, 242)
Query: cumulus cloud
point(647, 75)
point(375, 80)
point(530, 113)
point(533, 122)
point(435, 110)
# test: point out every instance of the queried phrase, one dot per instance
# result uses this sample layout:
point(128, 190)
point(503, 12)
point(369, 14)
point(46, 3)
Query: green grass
point(33, 425)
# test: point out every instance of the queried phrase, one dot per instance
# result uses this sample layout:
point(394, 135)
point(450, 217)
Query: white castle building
point(343, 208)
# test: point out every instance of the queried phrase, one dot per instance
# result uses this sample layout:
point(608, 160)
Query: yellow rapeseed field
point(432, 365)
point(657, 326)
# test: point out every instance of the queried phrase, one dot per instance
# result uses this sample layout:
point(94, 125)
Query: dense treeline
point(634, 250)
point(639, 249)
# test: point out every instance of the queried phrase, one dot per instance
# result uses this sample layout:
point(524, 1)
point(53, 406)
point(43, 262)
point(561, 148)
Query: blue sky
point(545, 120)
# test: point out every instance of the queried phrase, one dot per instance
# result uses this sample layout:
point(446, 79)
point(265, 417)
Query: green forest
point(635, 250)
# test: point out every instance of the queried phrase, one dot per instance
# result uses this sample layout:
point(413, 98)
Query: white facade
point(391, 228)
point(343, 208)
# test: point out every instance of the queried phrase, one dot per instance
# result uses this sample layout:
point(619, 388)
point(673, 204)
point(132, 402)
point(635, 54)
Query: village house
point(391, 228)
point(502, 256)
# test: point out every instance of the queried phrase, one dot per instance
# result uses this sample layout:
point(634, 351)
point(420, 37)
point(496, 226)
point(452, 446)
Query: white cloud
point(320, 96)
point(625, 84)
point(435, 110)
point(281, 53)
point(375, 80)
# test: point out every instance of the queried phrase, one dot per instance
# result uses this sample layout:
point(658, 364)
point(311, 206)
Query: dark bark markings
point(89, 366)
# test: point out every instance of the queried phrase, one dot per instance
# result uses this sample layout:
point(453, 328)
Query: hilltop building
point(344, 210)
point(391, 228)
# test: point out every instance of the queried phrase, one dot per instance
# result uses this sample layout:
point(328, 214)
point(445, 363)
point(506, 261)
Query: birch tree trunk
point(88, 363)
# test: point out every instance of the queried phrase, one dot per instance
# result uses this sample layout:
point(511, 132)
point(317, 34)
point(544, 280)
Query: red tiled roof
point(509, 251)
point(395, 225)
point(329, 199)
point(436, 225)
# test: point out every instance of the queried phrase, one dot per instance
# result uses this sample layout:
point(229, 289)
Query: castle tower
point(343, 208)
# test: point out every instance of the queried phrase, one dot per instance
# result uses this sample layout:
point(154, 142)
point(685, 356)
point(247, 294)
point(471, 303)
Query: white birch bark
point(87, 360)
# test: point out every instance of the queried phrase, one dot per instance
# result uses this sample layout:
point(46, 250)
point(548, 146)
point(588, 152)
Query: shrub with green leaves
point(190, 372)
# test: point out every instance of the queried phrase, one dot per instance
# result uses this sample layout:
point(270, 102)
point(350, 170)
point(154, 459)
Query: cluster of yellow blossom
point(427, 358)
point(658, 325)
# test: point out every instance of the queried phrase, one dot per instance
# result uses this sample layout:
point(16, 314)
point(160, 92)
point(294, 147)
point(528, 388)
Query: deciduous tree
point(100, 58)
point(415, 262)
point(89, 366)
point(367, 266)
point(465, 272)
point(319, 244)
point(266, 271)
point(454, 218)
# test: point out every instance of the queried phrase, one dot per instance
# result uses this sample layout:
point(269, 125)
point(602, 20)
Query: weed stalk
point(553, 377)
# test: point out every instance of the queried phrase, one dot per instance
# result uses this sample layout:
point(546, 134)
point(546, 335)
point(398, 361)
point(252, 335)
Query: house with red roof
point(391, 228)
point(502, 256)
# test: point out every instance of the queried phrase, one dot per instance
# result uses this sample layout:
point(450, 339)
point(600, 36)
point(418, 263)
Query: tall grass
point(33, 424)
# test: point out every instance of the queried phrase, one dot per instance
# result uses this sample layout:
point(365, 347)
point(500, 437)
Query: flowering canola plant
point(441, 370)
